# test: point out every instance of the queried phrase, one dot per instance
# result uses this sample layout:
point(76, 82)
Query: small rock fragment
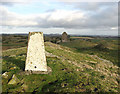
point(14, 80)
point(5, 75)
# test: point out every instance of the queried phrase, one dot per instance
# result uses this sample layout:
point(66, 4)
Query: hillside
point(107, 48)
point(71, 72)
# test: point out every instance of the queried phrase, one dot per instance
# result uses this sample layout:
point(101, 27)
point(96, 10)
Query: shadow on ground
point(18, 62)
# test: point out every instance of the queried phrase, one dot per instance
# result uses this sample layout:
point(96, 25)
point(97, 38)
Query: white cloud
point(59, 18)
point(114, 28)
point(65, 15)
point(51, 19)
point(98, 16)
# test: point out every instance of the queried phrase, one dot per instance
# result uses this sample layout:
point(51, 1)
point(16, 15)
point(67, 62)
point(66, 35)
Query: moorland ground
point(80, 65)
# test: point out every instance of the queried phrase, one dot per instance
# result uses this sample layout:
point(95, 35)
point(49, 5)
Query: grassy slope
point(72, 72)
point(87, 47)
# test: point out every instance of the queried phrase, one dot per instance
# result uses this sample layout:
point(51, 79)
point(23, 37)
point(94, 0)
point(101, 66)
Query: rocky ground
point(71, 72)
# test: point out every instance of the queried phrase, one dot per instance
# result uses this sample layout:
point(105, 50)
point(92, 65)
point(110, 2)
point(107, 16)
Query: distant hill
point(74, 35)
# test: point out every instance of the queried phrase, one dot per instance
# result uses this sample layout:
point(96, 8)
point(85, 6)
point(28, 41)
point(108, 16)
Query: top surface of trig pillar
point(36, 59)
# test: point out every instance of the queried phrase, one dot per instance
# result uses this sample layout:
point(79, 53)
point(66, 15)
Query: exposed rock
point(102, 60)
point(5, 75)
point(49, 54)
point(14, 80)
point(93, 62)
point(87, 66)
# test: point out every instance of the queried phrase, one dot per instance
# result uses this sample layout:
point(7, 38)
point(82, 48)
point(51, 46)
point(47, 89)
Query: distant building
point(64, 37)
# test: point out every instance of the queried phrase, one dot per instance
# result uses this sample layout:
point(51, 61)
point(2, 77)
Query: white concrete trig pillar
point(36, 59)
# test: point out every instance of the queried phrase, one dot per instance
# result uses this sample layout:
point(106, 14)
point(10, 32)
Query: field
point(81, 38)
point(77, 66)
point(13, 41)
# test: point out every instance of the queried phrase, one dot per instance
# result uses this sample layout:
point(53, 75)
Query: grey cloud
point(15, 2)
point(102, 19)
point(6, 3)
point(90, 6)
point(102, 15)
point(9, 2)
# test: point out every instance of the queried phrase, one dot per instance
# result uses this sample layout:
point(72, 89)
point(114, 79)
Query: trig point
point(36, 59)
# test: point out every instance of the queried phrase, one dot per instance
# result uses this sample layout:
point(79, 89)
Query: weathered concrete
point(49, 70)
point(36, 59)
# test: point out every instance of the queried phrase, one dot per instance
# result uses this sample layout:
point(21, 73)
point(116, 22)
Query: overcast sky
point(48, 16)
